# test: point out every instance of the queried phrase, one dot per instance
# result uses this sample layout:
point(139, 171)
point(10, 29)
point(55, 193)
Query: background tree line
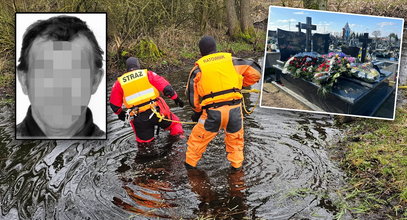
point(133, 20)
point(171, 28)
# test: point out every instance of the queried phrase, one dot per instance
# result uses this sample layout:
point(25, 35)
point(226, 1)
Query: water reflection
point(145, 180)
point(286, 174)
point(230, 205)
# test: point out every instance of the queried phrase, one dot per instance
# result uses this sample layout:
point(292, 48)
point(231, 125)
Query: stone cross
point(309, 27)
point(365, 40)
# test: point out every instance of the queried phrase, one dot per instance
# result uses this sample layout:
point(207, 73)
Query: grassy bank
point(6, 80)
point(375, 161)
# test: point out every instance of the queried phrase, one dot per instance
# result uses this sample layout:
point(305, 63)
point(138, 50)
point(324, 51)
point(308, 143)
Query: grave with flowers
point(336, 83)
point(331, 79)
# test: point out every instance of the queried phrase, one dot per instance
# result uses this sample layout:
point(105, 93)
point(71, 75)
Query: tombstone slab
point(352, 51)
point(346, 97)
point(320, 43)
point(290, 43)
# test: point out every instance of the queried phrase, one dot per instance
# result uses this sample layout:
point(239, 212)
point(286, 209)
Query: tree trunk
point(315, 4)
point(245, 18)
point(219, 13)
point(233, 22)
point(204, 16)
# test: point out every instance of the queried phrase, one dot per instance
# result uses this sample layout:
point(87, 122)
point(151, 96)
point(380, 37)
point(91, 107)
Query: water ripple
point(286, 174)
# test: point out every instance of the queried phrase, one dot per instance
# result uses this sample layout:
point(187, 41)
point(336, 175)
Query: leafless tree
point(376, 34)
point(315, 4)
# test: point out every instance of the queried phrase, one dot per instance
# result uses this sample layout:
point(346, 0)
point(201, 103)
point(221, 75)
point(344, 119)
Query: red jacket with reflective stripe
point(116, 96)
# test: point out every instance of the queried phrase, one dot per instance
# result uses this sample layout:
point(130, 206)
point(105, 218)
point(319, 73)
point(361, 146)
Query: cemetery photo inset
point(330, 62)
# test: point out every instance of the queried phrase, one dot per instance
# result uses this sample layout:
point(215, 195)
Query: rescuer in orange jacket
point(213, 91)
point(139, 89)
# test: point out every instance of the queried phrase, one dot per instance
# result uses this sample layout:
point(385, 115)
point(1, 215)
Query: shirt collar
point(32, 128)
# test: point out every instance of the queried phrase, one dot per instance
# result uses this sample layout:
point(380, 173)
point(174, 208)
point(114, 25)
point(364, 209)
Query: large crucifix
point(309, 27)
point(365, 40)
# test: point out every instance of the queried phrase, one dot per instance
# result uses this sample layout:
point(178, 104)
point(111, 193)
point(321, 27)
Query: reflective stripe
point(139, 94)
point(137, 89)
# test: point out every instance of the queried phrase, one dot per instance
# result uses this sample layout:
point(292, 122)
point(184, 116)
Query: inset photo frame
point(332, 63)
point(61, 75)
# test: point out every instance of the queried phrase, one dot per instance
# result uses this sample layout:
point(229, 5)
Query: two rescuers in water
point(213, 91)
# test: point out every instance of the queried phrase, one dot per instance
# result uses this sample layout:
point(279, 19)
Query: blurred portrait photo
point(60, 85)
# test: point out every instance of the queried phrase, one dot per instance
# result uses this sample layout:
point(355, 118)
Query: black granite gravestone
point(351, 51)
point(272, 34)
point(320, 43)
point(290, 43)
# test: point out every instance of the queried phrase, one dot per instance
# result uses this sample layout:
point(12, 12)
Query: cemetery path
point(274, 97)
point(287, 172)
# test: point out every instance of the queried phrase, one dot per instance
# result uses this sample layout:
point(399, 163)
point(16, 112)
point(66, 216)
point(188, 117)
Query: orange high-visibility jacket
point(220, 81)
point(219, 77)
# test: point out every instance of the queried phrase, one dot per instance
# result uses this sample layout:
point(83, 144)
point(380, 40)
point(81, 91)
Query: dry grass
point(388, 8)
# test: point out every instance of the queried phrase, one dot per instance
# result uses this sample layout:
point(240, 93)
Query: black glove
point(179, 102)
point(196, 116)
point(122, 115)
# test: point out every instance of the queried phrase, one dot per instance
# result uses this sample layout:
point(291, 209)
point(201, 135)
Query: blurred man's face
point(59, 80)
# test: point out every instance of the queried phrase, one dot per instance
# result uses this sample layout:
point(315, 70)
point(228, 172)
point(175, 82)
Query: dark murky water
point(287, 173)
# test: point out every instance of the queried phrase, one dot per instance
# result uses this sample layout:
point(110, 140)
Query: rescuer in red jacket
point(139, 90)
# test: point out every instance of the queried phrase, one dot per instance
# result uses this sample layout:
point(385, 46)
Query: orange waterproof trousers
point(227, 117)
